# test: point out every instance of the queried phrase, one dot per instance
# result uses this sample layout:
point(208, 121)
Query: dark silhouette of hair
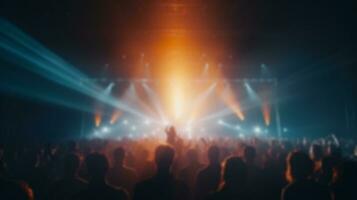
point(163, 185)
point(121, 175)
point(299, 166)
point(208, 178)
point(345, 184)
point(302, 186)
point(213, 154)
point(70, 184)
point(235, 172)
point(249, 154)
point(164, 156)
point(325, 174)
point(71, 164)
point(119, 155)
point(97, 165)
point(234, 176)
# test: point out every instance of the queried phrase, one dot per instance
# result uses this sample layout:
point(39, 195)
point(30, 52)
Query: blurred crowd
point(177, 169)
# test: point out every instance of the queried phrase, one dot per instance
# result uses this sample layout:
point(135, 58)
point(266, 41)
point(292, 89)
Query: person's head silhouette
point(249, 154)
point(97, 166)
point(71, 165)
point(119, 156)
point(299, 166)
point(213, 155)
point(164, 156)
point(235, 172)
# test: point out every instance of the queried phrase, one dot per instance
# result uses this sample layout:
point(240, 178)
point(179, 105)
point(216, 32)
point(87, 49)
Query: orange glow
point(175, 69)
point(115, 116)
point(140, 99)
point(196, 110)
point(266, 113)
point(233, 104)
point(178, 99)
point(228, 97)
point(266, 108)
point(97, 119)
point(177, 56)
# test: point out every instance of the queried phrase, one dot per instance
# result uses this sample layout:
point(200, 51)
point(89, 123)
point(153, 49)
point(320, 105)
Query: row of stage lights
point(256, 130)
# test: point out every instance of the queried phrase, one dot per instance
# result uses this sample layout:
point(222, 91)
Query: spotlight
point(125, 122)
point(133, 128)
point(96, 133)
point(105, 129)
point(220, 122)
point(238, 128)
point(257, 130)
point(285, 130)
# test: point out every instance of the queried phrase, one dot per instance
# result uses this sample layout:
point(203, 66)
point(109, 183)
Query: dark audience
point(188, 174)
point(162, 186)
point(97, 166)
point(234, 181)
point(70, 185)
point(9, 189)
point(120, 175)
point(176, 169)
point(344, 187)
point(299, 171)
point(208, 179)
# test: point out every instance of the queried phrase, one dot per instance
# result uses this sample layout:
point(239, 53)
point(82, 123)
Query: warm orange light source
point(115, 116)
point(97, 119)
point(266, 112)
point(230, 100)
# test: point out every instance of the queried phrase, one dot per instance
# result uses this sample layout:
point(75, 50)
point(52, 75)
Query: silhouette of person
point(98, 189)
point(234, 176)
point(144, 167)
point(11, 190)
point(120, 175)
point(299, 170)
point(345, 184)
point(70, 185)
point(325, 174)
point(208, 179)
point(33, 175)
point(188, 174)
point(316, 154)
point(254, 182)
point(162, 186)
point(249, 159)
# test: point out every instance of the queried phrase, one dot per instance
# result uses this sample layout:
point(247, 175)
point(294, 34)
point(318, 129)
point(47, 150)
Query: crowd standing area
point(177, 168)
